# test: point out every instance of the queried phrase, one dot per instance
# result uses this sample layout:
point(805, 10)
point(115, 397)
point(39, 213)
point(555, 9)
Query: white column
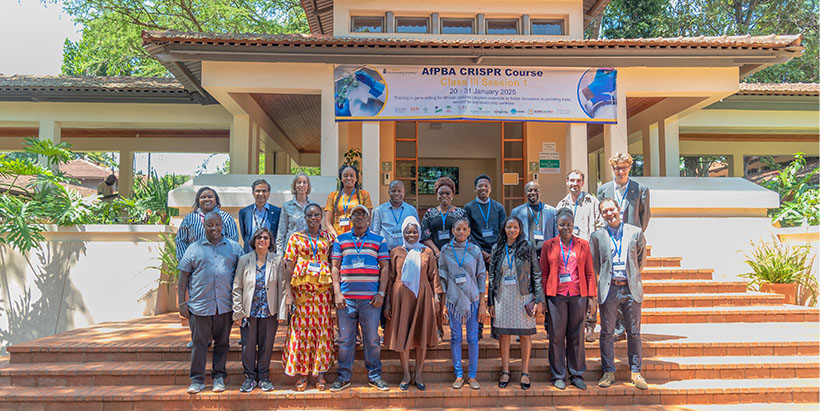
point(577, 155)
point(591, 180)
point(371, 169)
point(672, 146)
point(270, 158)
point(329, 156)
point(240, 144)
point(654, 151)
point(125, 181)
point(49, 130)
point(615, 135)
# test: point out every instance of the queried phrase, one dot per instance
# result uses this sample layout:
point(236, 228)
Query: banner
point(381, 93)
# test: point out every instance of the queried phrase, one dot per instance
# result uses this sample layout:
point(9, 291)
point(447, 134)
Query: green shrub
point(779, 263)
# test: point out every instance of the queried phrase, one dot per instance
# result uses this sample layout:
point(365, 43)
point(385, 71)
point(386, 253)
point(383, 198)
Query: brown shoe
point(607, 380)
point(639, 381)
point(589, 335)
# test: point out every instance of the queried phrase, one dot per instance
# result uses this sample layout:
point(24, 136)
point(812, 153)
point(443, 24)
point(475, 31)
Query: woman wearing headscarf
point(410, 306)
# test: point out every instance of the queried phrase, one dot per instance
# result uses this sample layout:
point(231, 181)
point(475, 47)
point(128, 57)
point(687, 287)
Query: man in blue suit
point(260, 214)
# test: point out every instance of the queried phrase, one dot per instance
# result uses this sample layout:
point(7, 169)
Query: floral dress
point(309, 343)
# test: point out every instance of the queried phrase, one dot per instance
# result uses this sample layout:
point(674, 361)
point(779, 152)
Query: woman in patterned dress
point(515, 296)
point(308, 287)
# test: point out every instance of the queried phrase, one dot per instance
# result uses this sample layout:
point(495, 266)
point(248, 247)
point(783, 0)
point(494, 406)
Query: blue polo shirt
point(360, 258)
point(212, 269)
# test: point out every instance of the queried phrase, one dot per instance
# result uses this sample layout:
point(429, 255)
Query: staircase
point(705, 343)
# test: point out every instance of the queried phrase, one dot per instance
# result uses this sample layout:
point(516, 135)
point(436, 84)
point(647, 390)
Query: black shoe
point(620, 336)
point(380, 384)
point(404, 386)
point(248, 385)
point(526, 385)
point(339, 385)
point(503, 384)
point(420, 386)
point(579, 383)
point(560, 384)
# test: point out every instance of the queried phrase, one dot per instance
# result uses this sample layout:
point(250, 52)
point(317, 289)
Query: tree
point(111, 43)
point(630, 19)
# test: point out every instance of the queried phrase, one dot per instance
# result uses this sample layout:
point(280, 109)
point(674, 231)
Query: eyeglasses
point(624, 168)
point(264, 237)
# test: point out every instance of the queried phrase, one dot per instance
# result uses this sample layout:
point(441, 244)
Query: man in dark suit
point(260, 214)
point(618, 256)
point(633, 203)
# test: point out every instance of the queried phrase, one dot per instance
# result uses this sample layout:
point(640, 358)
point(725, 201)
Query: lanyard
point(580, 198)
point(460, 263)
point(509, 258)
point(401, 212)
point(314, 246)
point(257, 222)
point(623, 197)
point(444, 219)
point(538, 217)
point(486, 217)
point(359, 246)
point(569, 252)
point(344, 206)
point(618, 245)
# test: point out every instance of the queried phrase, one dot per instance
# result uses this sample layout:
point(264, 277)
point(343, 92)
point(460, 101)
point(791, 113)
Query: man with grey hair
point(258, 215)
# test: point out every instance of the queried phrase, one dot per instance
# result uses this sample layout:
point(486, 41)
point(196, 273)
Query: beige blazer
point(244, 283)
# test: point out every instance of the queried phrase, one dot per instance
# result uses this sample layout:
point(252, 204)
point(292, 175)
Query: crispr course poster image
point(374, 93)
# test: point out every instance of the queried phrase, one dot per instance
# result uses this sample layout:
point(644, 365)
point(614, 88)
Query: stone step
point(677, 274)
point(656, 369)
point(748, 314)
point(711, 300)
point(692, 287)
point(437, 395)
point(667, 262)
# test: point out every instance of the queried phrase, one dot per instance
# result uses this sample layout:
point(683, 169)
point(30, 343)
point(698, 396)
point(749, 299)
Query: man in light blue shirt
point(387, 217)
point(206, 275)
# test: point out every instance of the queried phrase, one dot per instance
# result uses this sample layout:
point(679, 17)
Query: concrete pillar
point(577, 155)
point(282, 163)
point(371, 169)
point(737, 166)
point(654, 166)
point(615, 135)
point(270, 160)
point(49, 130)
point(671, 146)
point(125, 182)
point(592, 178)
point(256, 140)
point(240, 144)
point(329, 156)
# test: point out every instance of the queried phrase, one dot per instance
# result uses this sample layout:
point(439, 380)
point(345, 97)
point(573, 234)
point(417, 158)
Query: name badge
point(357, 262)
point(487, 232)
point(509, 280)
point(576, 230)
point(622, 215)
point(396, 234)
point(619, 269)
point(443, 235)
point(565, 278)
point(538, 234)
point(344, 221)
point(461, 278)
point(314, 266)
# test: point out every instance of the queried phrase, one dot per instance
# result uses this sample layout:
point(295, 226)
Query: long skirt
point(309, 344)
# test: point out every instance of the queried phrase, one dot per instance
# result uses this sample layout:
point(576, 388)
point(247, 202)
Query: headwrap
point(411, 270)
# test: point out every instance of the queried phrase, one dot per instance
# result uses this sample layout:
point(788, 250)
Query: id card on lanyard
point(621, 204)
point(618, 263)
point(537, 232)
point(314, 265)
point(565, 276)
point(358, 261)
point(443, 234)
point(345, 221)
point(576, 230)
point(486, 232)
point(509, 279)
point(395, 233)
point(461, 276)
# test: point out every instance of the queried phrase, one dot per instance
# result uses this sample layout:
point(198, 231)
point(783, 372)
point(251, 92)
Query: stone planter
point(788, 290)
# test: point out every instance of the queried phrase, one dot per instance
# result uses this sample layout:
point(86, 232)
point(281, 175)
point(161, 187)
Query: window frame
point(353, 24)
point(473, 28)
point(427, 18)
point(561, 20)
point(517, 22)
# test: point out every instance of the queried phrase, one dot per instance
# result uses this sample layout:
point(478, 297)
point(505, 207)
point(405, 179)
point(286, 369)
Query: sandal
point(525, 386)
point(321, 384)
point(404, 385)
point(503, 384)
point(301, 385)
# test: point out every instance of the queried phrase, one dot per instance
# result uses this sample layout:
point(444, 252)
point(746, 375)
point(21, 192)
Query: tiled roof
point(84, 169)
point(90, 83)
point(779, 89)
point(312, 40)
point(93, 89)
point(23, 181)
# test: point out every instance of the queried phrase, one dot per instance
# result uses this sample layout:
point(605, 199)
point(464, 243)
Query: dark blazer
point(527, 270)
point(634, 246)
point(246, 224)
point(636, 211)
point(551, 261)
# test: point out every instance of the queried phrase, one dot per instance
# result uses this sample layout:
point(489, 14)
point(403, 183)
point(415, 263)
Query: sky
point(31, 43)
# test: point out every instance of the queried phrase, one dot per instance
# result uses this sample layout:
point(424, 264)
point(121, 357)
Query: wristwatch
point(381, 293)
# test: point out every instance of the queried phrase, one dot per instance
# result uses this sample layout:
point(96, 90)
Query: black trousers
point(566, 334)
point(204, 329)
point(257, 348)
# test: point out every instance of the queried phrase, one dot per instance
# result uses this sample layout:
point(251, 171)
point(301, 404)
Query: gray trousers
point(620, 298)
point(204, 329)
point(566, 334)
point(257, 348)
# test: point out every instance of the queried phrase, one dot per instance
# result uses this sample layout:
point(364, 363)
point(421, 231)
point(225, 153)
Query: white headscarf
point(411, 270)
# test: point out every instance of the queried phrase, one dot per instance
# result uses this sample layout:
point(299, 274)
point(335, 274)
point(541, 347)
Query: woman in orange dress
point(308, 294)
point(341, 203)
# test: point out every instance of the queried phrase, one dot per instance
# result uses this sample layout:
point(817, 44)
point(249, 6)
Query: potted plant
point(781, 268)
point(169, 275)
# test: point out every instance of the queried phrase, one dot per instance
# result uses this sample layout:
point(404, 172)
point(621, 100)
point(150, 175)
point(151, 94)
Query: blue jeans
point(359, 312)
point(472, 342)
point(620, 298)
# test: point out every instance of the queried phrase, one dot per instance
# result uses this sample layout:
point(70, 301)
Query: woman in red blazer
point(568, 281)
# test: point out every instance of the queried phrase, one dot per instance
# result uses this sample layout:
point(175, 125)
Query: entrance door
point(407, 158)
point(513, 153)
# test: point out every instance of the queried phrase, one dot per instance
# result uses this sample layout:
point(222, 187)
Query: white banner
point(577, 95)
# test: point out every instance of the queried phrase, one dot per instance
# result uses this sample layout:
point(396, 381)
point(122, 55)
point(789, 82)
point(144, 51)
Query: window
point(544, 27)
point(412, 25)
point(502, 26)
point(457, 26)
point(366, 24)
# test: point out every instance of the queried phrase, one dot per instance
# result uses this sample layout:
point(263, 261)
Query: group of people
point(384, 265)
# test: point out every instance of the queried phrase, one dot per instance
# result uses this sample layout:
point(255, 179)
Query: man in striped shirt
point(360, 269)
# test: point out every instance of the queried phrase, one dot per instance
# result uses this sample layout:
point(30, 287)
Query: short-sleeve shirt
point(432, 225)
point(344, 206)
point(212, 269)
point(360, 258)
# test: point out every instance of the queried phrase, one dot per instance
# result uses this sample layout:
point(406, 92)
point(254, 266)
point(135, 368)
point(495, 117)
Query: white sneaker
point(195, 388)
